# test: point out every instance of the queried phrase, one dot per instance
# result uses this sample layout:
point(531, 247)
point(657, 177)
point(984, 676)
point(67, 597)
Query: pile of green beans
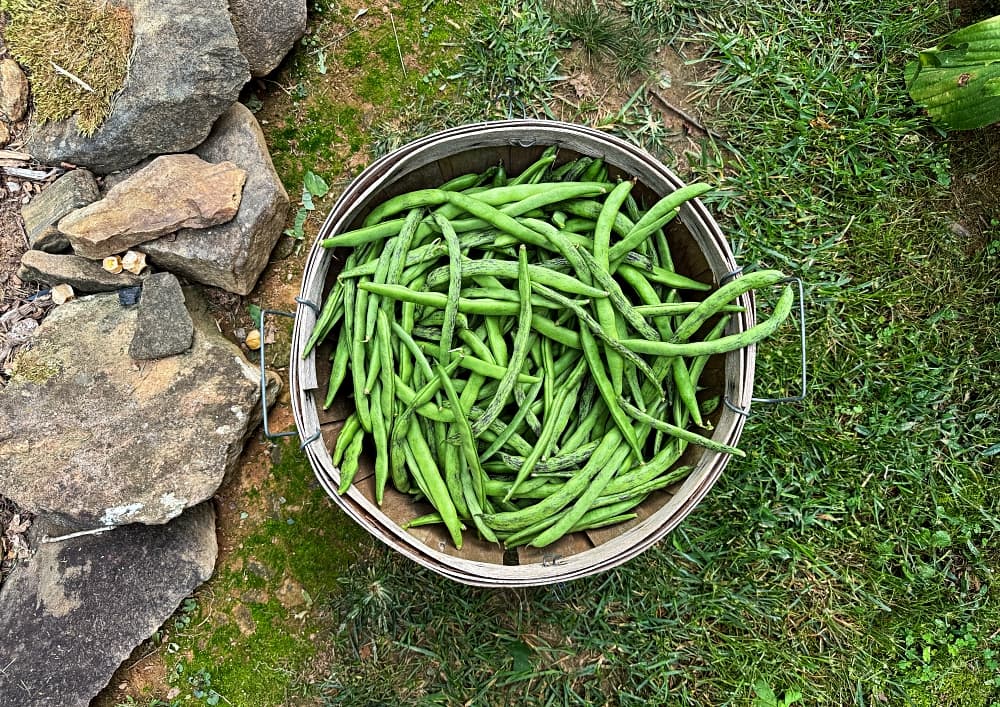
point(521, 352)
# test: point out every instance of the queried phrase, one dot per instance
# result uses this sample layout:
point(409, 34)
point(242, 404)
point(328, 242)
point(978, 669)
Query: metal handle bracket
point(263, 381)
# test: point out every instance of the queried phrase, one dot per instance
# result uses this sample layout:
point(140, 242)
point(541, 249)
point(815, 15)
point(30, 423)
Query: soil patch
point(975, 161)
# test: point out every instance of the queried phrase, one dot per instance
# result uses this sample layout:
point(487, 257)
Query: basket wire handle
point(263, 377)
point(802, 349)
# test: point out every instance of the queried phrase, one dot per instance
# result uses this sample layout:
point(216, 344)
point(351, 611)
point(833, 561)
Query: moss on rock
point(77, 52)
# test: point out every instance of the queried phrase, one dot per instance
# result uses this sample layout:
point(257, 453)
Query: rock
point(82, 274)
point(186, 71)
point(71, 191)
point(80, 606)
point(13, 90)
point(267, 32)
point(95, 439)
point(233, 255)
point(163, 327)
point(4, 134)
point(170, 193)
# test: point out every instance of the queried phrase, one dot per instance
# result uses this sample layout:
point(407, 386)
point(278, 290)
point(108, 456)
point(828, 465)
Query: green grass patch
point(59, 39)
point(253, 635)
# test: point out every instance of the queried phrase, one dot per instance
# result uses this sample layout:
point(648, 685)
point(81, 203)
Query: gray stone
point(78, 608)
point(163, 327)
point(186, 71)
point(82, 274)
point(71, 191)
point(233, 255)
point(267, 31)
point(170, 193)
point(13, 90)
point(93, 438)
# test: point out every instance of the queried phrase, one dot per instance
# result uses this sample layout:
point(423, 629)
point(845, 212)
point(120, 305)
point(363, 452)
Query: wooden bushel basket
point(699, 250)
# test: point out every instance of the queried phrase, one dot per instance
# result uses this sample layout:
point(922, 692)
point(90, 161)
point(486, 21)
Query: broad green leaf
point(958, 82)
point(315, 184)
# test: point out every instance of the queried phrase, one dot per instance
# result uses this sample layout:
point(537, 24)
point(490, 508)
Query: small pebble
point(13, 187)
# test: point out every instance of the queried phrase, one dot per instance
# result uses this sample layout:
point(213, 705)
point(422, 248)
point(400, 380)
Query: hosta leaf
point(958, 82)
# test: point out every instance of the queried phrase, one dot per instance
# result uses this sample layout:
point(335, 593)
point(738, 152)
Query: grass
point(91, 42)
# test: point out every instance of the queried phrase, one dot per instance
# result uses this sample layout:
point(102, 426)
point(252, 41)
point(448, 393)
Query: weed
point(510, 62)
point(313, 186)
point(597, 28)
point(608, 35)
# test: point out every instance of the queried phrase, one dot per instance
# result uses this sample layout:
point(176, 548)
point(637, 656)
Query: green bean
point(680, 432)
point(350, 464)
point(462, 182)
point(513, 425)
point(606, 219)
point(519, 352)
point(468, 441)
point(671, 279)
point(357, 357)
point(610, 452)
point(476, 345)
point(685, 390)
point(434, 483)
point(381, 436)
point(508, 270)
point(477, 365)
point(403, 247)
point(439, 300)
point(539, 166)
point(361, 236)
point(383, 337)
point(454, 287)
point(452, 463)
point(504, 295)
point(725, 294)
point(338, 367)
point(644, 473)
point(724, 344)
point(333, 310)
point(675, 308)
point(650, 221)
point(617, 300)
point(498, 345)
point(586, 523)
point(344, 437)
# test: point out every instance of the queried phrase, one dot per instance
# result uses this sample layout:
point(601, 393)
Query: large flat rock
point(93, 438)
point(232, 255)
point(82, 274)
point(80, 606)
point(186, 70)
point(170, 193)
